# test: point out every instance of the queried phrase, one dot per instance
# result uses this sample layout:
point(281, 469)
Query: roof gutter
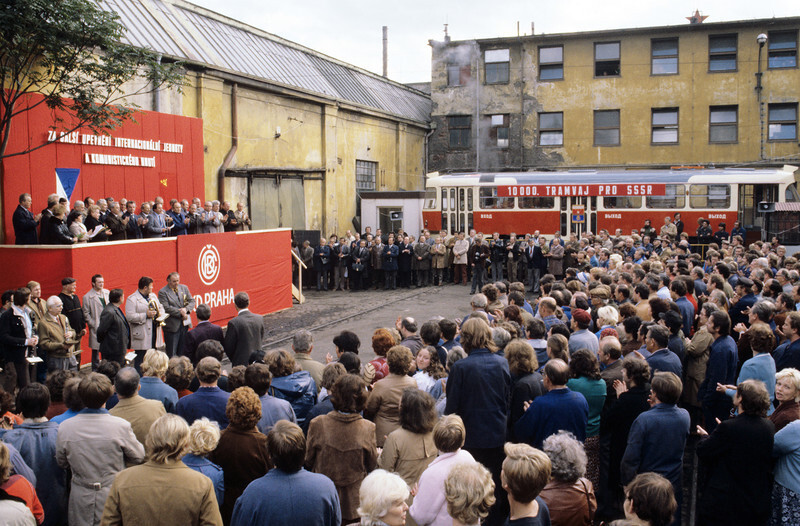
point(234, 143)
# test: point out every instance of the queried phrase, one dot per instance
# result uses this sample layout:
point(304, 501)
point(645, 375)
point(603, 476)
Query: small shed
point(390, 211)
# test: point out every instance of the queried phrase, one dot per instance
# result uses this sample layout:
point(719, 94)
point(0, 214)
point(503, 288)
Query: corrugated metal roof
point(787, 207)
point(187, 32)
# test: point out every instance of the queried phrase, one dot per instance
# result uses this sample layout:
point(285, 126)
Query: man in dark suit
point(180, 227)
point(25, 222)
point(46, 227)
point(245, 332)
point(113, 331)
point(178, 303)
point(744, 300)
point(135, 222)
point(205, 330)
point(537, 263)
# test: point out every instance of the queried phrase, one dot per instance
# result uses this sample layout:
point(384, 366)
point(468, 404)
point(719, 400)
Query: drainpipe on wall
point(427, 136)
point(234, 144)
point(157, 93)
point(478, 109)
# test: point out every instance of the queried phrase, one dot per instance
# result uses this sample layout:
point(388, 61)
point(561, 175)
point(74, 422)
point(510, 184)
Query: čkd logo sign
point(208, 264)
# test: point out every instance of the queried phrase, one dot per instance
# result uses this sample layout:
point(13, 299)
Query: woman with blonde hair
point(154, 370)
point(787, 393)
point(382, 499)
point(607, 318)
point(203, 439)
point(469, 491)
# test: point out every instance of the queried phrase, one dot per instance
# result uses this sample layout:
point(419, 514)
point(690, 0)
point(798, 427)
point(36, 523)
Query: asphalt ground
point(326, 314)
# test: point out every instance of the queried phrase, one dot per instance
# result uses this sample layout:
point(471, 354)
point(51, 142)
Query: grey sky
point(350, 30)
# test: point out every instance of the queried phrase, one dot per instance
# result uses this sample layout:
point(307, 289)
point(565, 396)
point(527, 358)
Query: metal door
point(571, 220)
point(277, 202)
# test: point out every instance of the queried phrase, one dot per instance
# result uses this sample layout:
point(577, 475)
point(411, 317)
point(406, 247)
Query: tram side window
point(537, 202)
point(792, 196)
point(444, 199)
point(674, 197)
point(488, 199)
point(623, 202)
point(430, 199)
point(469, 202)
point(710, 196)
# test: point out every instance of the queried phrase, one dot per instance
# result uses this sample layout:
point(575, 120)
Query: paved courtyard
point(326, 314)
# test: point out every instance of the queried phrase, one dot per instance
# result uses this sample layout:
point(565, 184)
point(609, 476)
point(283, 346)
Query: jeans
point(477, 279)
point(497, 271)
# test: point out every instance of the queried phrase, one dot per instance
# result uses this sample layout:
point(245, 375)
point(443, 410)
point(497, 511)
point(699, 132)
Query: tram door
point(459, 206)
point(576, 214)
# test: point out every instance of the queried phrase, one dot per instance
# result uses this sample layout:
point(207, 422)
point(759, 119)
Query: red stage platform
point(213, 266)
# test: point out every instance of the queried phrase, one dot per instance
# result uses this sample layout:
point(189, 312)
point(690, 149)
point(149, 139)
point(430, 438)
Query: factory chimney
point(385, 51)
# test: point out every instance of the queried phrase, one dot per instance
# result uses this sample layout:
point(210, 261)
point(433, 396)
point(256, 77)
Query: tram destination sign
point(573, 190)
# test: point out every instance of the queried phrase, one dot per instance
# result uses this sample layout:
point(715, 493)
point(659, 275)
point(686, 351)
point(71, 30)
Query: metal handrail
point(299, 274)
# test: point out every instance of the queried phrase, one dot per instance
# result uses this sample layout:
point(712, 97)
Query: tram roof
point(706, 175)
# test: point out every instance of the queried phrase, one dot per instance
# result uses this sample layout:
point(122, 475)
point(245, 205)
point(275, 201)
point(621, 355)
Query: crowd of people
point(114, 220)
point(355, 261)
point(573, 405)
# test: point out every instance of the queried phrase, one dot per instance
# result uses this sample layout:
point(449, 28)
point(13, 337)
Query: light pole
point(761, 39)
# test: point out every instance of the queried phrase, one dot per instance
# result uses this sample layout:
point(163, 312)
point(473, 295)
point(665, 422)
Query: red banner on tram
point(578, 190)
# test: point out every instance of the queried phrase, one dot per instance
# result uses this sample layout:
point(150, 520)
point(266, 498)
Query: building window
point(496, 64)
point(782, 122)
point(664, 56)
point(665, 125)
point(460, 127)
point(457, 75)
point(365, 175)
point(606, 59)
point(551, 129)
point(723, 124)
point(674, 197)
point(782, 49)
point(499, 130)
point(606, 127)
point(551, 63)
point(722, 53)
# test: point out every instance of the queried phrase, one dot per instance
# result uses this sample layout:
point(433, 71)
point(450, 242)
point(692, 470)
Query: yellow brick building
point(692, 94)
point(290, 132)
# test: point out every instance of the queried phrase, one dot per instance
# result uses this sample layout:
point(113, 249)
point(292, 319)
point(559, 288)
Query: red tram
point(581, 200)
